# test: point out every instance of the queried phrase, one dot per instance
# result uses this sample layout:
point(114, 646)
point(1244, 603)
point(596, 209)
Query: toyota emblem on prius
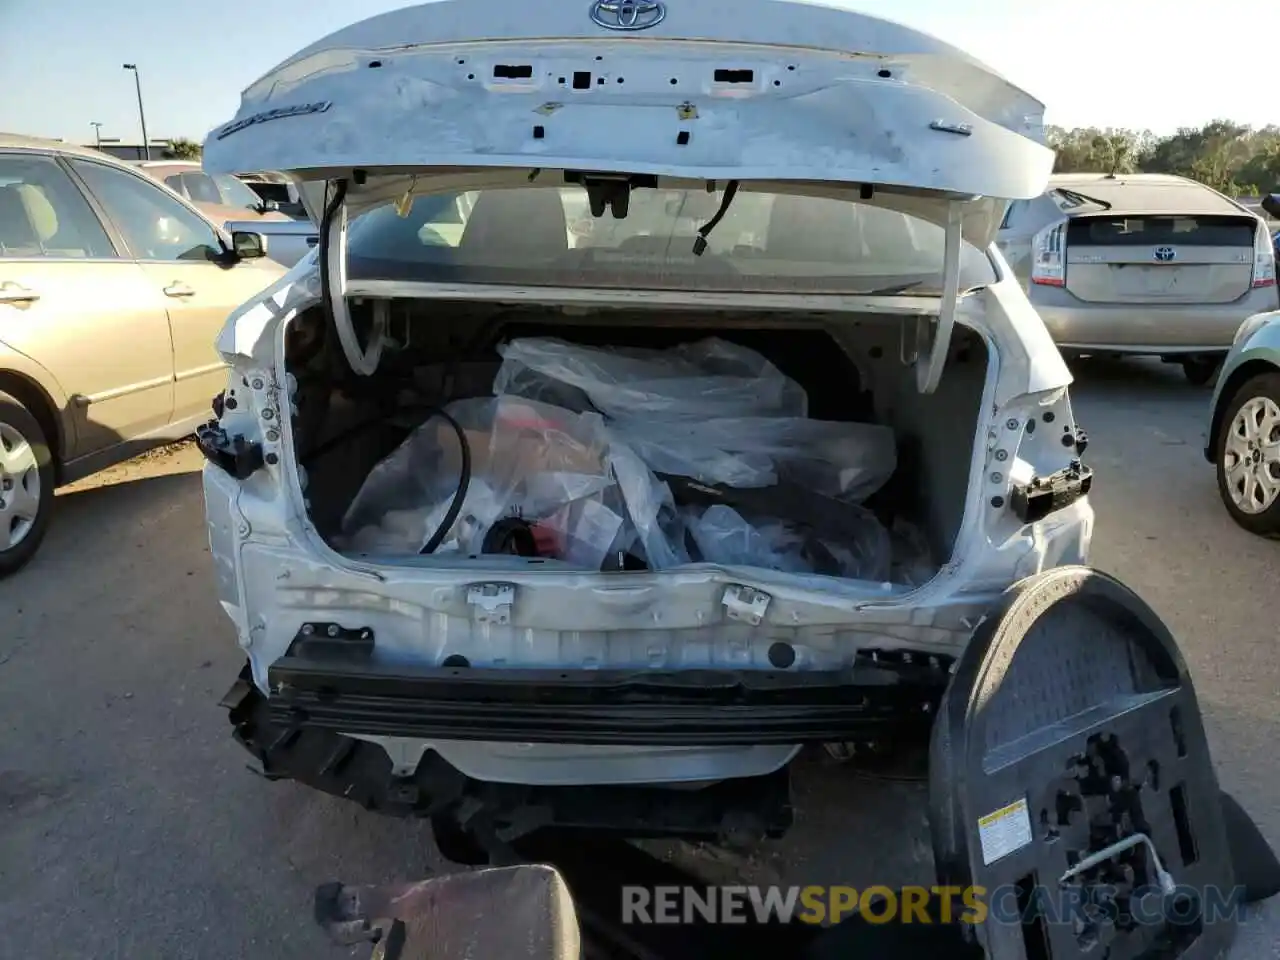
point(628, 14)
point(1165, 254)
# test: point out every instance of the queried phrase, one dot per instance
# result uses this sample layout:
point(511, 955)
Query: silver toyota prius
point(1141, 264)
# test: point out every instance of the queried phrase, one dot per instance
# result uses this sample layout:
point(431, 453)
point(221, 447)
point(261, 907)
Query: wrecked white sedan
point(655, 403)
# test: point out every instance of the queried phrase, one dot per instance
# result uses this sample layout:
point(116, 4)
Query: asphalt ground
point(130, 827)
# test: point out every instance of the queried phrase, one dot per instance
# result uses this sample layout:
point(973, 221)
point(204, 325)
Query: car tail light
point(1264, 261)
point(1049, 257)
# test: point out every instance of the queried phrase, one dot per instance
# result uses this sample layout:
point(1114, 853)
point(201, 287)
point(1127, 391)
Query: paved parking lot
point(129, 826)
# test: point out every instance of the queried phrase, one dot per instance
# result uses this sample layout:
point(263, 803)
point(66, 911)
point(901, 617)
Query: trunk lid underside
point(903, 112)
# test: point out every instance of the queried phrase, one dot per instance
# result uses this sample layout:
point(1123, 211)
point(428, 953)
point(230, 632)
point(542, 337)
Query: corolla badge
point(628, 14)
point(1165, 254)
point(295, 110)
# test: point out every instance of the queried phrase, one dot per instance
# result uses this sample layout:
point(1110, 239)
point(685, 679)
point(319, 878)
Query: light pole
point(97, 133)
point(146, 144)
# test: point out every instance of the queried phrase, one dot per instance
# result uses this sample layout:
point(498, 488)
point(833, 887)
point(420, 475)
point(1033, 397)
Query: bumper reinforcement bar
point(880, 701)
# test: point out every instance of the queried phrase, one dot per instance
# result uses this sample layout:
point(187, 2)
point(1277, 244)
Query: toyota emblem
point(628, 14)
point(1165, 254)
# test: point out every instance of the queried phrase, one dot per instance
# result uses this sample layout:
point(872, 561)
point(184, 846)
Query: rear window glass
point(1201, 231)
point(765, 243)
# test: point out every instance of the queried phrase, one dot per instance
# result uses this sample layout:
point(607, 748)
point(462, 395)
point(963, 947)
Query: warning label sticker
point(1004, 831)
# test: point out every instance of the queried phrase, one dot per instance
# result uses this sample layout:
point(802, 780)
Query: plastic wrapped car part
point(913, 563)
point(711, 410)
point(724, 536)
point(650, 508)
point(585, 532)
point(612, 491)
point(405, 529)
point(518, 380)
point(786, 501)
point(696, 381)
point(848, 460)
point(512, 535)
point(528, 459)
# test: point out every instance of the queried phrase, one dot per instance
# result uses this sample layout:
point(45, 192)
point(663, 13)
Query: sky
point(1123, 63)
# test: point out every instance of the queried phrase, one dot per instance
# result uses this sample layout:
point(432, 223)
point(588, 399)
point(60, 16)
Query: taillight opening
point(1049, 257)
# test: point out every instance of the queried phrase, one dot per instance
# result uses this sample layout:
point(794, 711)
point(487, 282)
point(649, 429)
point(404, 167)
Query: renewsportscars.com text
point(880, 904)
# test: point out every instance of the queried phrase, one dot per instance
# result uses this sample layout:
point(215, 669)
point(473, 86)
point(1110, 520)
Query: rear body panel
point(675, 622)
point(479, 94)
point(275, 575)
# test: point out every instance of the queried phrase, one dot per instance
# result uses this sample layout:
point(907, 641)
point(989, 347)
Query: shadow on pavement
point(98, 520)
point(1144, 374)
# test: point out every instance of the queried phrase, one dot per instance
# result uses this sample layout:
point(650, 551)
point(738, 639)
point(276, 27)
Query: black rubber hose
point(700, 243)
point(460, 494)
point(464, 474)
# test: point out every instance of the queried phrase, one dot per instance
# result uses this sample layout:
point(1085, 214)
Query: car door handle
point(178, 290)
point(16, 293)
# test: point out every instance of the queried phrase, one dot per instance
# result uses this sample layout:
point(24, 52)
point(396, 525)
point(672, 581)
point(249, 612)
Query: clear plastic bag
point(584, 468)
point(650, 508)
point(514, 379)
point(404, 489)
point(406, 531)
point(528, 459)
point(913, 562)
point(846, 460)
point(710, 378)
point(587, 530)
point(724, 536)
point(711, 410)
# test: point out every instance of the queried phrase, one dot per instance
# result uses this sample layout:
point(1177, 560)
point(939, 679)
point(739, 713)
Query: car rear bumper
point(1147, 329)
point(318, 686)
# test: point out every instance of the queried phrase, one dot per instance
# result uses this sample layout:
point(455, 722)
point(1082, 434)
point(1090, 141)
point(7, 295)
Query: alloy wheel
point(1251, 456)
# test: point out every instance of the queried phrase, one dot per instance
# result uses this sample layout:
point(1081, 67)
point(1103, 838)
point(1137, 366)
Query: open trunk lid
point(759, 87)
point(1164, 259)
point(473, 94)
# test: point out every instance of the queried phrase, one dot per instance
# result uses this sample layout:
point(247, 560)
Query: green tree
point(1214, 154)
point(1095, 150)
point(182, 149)
point(1228, 156)
point(1261, 172)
